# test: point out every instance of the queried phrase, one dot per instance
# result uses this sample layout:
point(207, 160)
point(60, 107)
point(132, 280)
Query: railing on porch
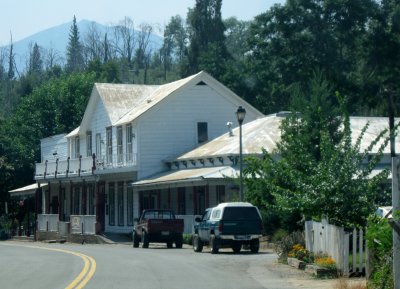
point(83, 224)
point(188, 221)
point(79, 224)
point(82, 165)
point(48, 222)
point(344, 247)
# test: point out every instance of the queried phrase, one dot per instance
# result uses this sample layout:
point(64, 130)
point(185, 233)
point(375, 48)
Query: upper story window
point(129, 137)
point(202, 132)
point(119, 144)
point(98, 146)
point(109, 144)
point(89, 144)
point(77, 147)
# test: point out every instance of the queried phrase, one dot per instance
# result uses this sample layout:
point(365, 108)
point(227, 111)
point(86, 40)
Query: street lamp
point(240, 114)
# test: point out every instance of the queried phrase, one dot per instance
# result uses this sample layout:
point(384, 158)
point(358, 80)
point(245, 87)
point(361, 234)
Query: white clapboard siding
point(54, 147)
point(170, 128)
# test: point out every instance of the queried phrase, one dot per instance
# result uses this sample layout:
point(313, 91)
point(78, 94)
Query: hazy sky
point(26, 17)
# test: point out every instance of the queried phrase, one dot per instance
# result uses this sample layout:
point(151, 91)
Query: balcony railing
point(82, 165)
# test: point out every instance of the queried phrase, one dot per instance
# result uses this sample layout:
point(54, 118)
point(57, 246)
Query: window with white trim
point(202, 132)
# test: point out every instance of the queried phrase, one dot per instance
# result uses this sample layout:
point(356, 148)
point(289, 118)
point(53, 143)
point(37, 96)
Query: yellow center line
point(84, 276)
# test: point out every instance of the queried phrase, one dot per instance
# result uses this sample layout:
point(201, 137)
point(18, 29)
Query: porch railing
point(82, 165)
point(48, 222)
point(79, 224)
point(83, 224)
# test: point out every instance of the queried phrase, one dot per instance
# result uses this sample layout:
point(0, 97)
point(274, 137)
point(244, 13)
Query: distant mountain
point(56, 38)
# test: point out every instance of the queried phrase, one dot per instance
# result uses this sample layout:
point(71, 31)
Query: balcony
point(83, 166)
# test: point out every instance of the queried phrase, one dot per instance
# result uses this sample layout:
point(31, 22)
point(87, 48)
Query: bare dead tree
point(93, 46)
point(124, 39)
point(143, 52)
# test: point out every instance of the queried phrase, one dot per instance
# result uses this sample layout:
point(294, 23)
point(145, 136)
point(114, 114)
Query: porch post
point(194, 200)
point(84, 197)
point(60, 202)
point(71, 192)
point(48, 199)
point(207, 198)
point(169, 198)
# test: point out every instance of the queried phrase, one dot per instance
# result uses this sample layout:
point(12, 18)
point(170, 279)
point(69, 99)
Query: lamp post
point(240, 114)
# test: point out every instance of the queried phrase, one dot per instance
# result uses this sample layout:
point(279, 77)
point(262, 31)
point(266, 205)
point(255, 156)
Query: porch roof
point(190, 175)
point(27, 190)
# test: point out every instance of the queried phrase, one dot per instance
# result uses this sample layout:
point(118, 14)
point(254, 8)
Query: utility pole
point(395, 194)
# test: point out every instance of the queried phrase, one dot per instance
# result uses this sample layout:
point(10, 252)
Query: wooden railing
point(82, 165)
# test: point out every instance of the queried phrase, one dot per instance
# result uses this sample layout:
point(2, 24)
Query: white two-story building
point(127, 134)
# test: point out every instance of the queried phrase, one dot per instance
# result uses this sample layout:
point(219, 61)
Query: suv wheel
point(197, 243)
point(214, 245)
point(236, 247)
point(135, 240)
point(255, 246)
point(145, 240)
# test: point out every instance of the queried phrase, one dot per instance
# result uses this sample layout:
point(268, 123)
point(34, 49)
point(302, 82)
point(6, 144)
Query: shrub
point(187, 239)
point(380, 241)
point(285, 245)
point(299, 252)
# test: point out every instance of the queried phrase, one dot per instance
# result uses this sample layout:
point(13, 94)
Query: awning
point(189, 175)
point(25, 191)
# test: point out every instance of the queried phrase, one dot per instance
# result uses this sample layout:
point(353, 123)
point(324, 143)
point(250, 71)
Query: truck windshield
point(241, 213)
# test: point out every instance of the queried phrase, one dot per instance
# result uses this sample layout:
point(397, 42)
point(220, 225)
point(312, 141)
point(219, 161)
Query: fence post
point(360, 250)
point(346, 254)
point(354, 251)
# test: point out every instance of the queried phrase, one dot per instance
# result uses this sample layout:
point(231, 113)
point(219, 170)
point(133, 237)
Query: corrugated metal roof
point(190, 175)
point(258, 134)
point(148, 101)
point(266, 133)
point(120, 99)
point(27, 190)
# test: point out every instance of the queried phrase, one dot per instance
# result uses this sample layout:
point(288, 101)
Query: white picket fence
point(335, 242)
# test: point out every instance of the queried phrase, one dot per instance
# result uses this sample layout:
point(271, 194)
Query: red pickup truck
point(158, 226)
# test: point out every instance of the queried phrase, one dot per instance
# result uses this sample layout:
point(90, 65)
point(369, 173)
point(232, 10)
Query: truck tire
point(214, 244)
point(197, 243)
point(255, 246)
point(179, 241)
point(169, 244)
point(135, 240)
point(145, 240)
point(236, 247)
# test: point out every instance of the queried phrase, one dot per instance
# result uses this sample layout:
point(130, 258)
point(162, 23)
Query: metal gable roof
point(193, 174)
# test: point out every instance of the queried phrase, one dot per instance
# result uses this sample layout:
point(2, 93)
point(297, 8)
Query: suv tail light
point(220, 226)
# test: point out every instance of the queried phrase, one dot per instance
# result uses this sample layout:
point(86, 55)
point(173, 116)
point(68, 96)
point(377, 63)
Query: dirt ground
point(300, 279)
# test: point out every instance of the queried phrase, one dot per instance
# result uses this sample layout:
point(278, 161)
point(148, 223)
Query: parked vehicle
point(229, 225)
point(158, 226)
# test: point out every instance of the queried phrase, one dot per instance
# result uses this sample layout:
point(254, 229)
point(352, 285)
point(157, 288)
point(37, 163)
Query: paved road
point(121, 266)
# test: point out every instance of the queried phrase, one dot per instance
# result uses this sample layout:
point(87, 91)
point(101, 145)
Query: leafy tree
point(55, 107)
point(174, 45)
point(207, 50)
point(317, 170)
point(290, 41)
point(75, 60)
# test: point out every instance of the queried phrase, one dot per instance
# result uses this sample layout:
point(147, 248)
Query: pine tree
point(75, 61)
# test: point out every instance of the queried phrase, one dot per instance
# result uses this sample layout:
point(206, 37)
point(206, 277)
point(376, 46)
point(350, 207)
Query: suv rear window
point(241, 213)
